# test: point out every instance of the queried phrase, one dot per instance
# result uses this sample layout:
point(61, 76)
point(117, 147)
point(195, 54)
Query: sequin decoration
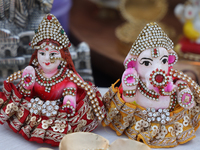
point(59, 126)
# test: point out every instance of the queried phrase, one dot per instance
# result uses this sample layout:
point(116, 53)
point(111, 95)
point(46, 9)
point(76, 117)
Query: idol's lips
point(47, 63)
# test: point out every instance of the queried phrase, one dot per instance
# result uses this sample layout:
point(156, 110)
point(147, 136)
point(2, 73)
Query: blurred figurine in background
point(189, 15)
point(51, 99)
point(18, 21)
point(23, 15)
point(155, 103)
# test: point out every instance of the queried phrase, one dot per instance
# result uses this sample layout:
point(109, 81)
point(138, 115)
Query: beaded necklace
point(173, 101)
point(146, 92)
point(49, 82)
point(154, 96)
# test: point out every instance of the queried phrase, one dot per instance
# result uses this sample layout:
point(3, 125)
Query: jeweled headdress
point(151, 36)
point(50, 28)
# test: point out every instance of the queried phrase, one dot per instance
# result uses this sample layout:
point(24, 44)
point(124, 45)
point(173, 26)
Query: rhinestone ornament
point(69, 91)
point(161, 115)
point(130, 63)
point(158, 78)
point(50, 108)
point(35, 106)
point(152, 36)
point(155, 96)
point(172, 61)
point(155, 52)
point(131, 77)
point(27, 80)
point(146, 92)
point(186, 98)
point(129, 93)
point(50, 28)
point(70, 110)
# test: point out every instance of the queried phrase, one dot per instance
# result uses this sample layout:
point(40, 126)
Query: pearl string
point(146, 92)
point(49, 82)
point(69, 91)
point(184, 77)
point(129, 93)
point(154, 96)
point(89, 91)
point(15, 76)
point(128, 61)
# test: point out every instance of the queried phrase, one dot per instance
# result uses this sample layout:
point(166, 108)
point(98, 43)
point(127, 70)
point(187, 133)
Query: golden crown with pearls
point(150, 37)
point(50, 28)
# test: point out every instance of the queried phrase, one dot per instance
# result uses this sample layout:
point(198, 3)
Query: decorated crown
point(150, 37)
point(50, 28)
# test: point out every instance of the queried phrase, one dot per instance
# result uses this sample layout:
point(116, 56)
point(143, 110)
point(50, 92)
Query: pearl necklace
point(49, 82)
point(146, 92)
point(173, 101)
point(154, 96)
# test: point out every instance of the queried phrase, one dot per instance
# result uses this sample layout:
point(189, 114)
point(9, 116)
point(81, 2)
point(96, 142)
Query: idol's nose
point(46, 58)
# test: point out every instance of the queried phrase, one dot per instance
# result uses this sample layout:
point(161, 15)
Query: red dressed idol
point(51, 99)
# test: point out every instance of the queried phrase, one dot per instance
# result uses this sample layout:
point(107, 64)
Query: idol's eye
point(41, 53)
point(53, 54)
point(164, 60)
point(146, 63)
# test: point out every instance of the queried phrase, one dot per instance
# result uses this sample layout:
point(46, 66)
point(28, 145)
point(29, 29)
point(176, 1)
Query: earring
point(173, 58)
point(130, 63)
point(59, 67)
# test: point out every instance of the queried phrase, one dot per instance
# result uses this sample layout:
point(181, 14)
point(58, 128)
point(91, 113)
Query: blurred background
point(101, 32)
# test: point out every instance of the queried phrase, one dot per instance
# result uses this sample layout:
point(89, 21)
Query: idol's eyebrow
point(164, 56)
point(41, 50)
point(146, 58)
point(53, 51)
